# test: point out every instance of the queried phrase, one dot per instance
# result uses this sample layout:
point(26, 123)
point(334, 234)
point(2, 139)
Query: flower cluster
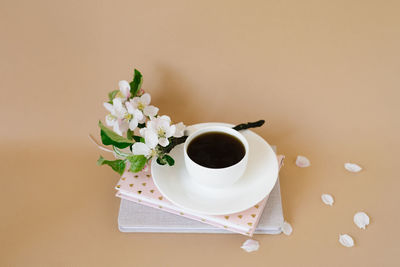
point(136, 124)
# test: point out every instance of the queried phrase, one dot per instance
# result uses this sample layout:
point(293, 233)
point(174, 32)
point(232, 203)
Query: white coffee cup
point(216, 177)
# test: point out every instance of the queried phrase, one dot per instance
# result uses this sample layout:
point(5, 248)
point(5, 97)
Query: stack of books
point(144, 209)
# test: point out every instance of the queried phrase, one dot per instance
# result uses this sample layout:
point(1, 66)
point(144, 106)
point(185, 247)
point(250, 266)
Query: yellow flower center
point(141, 106)
point(161, 132)
point(128, 116)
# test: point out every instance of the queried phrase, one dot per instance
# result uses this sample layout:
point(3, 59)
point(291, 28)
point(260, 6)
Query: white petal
point(120, 112)
point(361, 219)
point(143, 120)
point(170, 131)
point(327, 199)
point(302, 162)
point(163, 142)
point(286, 228)
point(138, 115)
point(133, 124)
point(125, 88)
point(123, 126)
point(151, 138)
point(117, 129)
point(352, 167)
point(179, 129)
point(110, 120)
point(142, 131)
point(140, 148)
point(150, 111)
point(146, 98)
point(108, 106)
point(165, 118)
point(346, 240)
point(250, 245)
point(135, 101)
point(162, 122)
point(118, 109)
point(117, 103)
point(151, 126)
point(129, 106)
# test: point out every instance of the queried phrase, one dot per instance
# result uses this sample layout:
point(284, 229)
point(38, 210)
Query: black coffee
point(216, 150)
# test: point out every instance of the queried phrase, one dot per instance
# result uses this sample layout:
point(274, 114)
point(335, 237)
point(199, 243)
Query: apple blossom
point(161, 128)
point(118, 117)
point(135, 116)
point(143, 104)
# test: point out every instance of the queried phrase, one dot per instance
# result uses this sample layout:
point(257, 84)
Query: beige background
point(323, 74)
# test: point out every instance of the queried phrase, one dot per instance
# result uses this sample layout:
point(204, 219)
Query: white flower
point(118, 117)
point(158, 131)
point(140, 148)
point(116, 108)
point(250, 245)
point(124, 90)
point(179, 129)
point(142, 103)
point(134, 117)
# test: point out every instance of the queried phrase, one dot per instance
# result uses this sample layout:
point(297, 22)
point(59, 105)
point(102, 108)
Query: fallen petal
point(352, 167)
point(346, 240)
point(361, 219)
point(302, 162)
point(327, 199)
point(250, 245)
point(286, 228)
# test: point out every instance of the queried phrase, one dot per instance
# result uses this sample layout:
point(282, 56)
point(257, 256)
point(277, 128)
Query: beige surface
point(324, 74)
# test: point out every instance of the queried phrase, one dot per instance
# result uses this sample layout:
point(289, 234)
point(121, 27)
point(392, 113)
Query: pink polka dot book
point(144, 209)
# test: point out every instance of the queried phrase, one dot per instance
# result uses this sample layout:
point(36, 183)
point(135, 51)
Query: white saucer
point(257, 182)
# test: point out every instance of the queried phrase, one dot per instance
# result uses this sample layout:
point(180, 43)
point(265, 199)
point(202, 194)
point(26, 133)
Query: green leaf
point(137, 162)
point(166, 159)
point(111, 95)
point(136, 83)
point(169, 160)
point(117, 165)
point(129, 134)
point(161, 161)
point(108, 137)
point(137, 138)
